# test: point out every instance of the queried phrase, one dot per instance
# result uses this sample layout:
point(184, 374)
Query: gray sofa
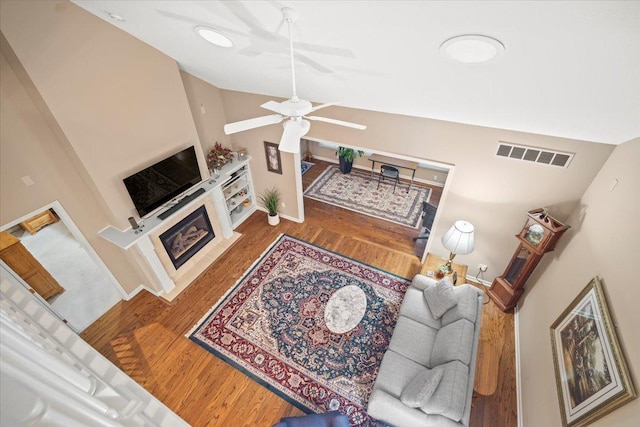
point(433, 356)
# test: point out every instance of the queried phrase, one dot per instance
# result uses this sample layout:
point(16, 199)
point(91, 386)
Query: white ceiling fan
point(294, 110)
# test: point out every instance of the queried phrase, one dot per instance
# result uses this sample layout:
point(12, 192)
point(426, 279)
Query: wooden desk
point(432, 263)
point(403, 164)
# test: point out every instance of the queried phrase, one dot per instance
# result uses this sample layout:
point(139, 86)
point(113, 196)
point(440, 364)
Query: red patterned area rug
point(271, 326)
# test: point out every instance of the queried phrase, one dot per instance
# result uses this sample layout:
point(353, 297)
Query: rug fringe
point(242, 276)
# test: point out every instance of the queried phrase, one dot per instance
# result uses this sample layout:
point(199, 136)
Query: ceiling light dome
point(213, 36)
point(472, 48)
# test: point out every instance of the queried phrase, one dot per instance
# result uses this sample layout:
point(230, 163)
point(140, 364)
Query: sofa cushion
point(467, 307)
point(413, 340)
point(420, 389)
point(453, 342)
point(440, 297)
point(414, 306)
point(396, 372)
point(422, 282)
point(449, 399)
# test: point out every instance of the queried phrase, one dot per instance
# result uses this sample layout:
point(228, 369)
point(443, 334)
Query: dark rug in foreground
point(271, 326)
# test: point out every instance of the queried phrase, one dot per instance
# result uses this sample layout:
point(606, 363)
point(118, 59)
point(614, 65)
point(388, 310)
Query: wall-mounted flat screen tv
point(159, 183)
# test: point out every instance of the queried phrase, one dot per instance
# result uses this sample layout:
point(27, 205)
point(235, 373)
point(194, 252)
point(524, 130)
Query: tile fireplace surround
point(146, 249)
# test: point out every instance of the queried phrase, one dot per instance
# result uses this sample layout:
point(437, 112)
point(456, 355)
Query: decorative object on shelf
point(218, 157)
point(242, 154)
point(458, 240)
point(270, 200)
point(591, 372)
point(346, 157)
point(272, 154)
point(539, 235)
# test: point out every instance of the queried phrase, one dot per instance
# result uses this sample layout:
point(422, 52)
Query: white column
point(221, 209)
point(148, 252)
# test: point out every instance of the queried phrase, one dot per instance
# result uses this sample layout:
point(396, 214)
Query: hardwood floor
point(145, 337)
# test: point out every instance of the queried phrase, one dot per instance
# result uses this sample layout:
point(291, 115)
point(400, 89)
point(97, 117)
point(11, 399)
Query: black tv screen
point(161, 182)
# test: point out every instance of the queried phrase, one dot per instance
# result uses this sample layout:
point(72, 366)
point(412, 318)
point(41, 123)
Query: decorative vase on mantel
point(217, 158)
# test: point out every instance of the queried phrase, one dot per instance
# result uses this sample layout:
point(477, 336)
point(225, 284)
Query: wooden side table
point(433, 262)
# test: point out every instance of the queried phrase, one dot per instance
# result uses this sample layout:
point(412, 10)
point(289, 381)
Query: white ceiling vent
point(534, 154)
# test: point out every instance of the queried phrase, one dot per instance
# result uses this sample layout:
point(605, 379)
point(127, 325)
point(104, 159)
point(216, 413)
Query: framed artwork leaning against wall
point(591, 372)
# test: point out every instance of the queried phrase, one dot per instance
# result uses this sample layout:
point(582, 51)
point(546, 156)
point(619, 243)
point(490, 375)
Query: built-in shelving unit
point(239, 196)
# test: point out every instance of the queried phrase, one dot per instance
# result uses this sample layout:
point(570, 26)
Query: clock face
point(534, 234)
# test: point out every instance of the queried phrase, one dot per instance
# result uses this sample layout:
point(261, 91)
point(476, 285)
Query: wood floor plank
point(145, 337)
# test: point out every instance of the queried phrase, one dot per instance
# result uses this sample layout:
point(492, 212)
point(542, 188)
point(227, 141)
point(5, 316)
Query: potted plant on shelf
point(346, 156)
point(270, 200)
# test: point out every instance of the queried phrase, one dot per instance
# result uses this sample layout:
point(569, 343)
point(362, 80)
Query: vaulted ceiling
point(570, 69)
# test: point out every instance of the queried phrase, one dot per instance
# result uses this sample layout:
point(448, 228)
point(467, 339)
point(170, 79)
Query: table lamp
point(458, 240)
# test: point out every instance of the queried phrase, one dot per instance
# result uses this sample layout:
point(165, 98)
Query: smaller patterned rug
point(271, 326)
point(358, 191)
point(305, 166)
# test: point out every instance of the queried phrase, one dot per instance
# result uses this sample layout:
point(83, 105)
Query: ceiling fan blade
point(242, 125)
point(328, 104)
point(272, 106)
point(313, 64)
point(336, 122)
point(293, 131)
point(327, 50)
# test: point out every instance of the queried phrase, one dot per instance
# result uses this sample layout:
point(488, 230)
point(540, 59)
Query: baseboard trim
point(516, 326)
point(290, 218)
point(406, 177)
point(471, 278)
point(137, 290)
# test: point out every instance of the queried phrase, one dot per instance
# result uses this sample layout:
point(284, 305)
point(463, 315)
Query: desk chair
point(387, 171)
point(428, 215)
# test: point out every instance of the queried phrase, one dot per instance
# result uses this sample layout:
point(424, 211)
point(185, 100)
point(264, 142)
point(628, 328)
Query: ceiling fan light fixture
point(472, 48)
point(213, 36)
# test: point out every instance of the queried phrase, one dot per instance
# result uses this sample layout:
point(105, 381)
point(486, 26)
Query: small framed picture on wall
point(271, 152)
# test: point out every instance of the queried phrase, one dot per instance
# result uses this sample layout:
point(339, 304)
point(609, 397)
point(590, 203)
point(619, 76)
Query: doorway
point(88, 288)
point(429, 174)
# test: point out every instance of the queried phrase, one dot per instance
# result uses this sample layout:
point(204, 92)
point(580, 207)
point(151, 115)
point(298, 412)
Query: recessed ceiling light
point(214, 36)
point(116, 17)
point(472, 48)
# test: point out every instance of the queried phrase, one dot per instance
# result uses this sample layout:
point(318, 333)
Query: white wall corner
point(516, 327)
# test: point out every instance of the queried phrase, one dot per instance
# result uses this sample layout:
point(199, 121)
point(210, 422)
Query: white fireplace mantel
point(141, 239)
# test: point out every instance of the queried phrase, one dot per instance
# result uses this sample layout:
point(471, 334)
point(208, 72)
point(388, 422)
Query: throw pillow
point(419, 390)
point(440, 297)
point(453, 342)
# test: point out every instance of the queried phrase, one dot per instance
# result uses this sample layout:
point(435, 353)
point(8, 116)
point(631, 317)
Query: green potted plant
point(346, 156)
point(270, 200)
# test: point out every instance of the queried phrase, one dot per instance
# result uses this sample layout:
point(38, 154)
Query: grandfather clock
point(539, 235)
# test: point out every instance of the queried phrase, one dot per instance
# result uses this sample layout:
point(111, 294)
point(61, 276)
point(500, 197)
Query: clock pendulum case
point(539, 235)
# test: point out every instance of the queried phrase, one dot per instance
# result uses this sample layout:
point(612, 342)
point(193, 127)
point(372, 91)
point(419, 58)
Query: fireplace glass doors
point(187, 237)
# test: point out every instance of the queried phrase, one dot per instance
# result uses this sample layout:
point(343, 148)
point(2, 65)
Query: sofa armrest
point(385, 407)
point(422, 282)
